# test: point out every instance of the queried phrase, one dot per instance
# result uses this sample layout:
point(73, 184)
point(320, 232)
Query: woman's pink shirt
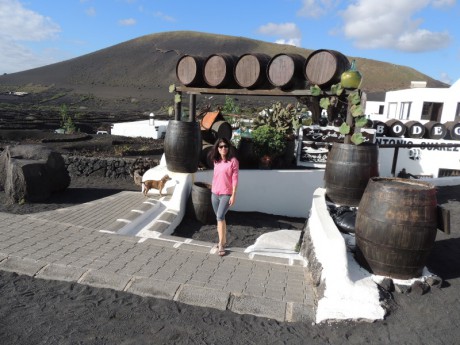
point(225, 176)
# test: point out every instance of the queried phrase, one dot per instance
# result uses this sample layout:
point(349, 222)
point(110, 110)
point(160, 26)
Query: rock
point(434, 281)
point(32, 173)
point(402, 288)
point(420, 288)
point(387, 284)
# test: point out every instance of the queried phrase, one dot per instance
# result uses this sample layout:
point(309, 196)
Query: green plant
point(284, 119)
point(66, 121)
point(230, 107)
point(268, 141)
point(355, 112)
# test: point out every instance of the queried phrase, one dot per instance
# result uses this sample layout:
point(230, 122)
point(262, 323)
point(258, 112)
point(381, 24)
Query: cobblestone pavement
point(79, 244)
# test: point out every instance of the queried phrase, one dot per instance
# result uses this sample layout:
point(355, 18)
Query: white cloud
point(164, 17)
point(90, 11)
point(286, 33)
point(443, 3)
point(127, 22)
point(19, 24)
point(317, 8)
point(390, 24)
point(445, 78)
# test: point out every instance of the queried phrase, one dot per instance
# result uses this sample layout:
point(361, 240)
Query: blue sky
point(422, 34)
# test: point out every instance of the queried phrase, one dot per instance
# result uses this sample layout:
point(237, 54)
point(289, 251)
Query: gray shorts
point(220, 205)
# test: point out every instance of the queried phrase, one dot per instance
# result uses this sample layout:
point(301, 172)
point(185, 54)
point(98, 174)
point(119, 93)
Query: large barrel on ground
point(189, 70)
point(205, 156)
point(285, 71)
point(396, 226)
point(396, 128)
point(218, 70)
point(415, 129)
point(251, 71)
point(348, 169)
point(325, 67)
point(200, 203)
point(435, 130)
point(182, 146)
point(453, 130)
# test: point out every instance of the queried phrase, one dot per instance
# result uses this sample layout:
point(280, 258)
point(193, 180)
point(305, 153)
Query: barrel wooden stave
point(218, 70)
point(205, 156)
point(285, 71)
point(415, 129)
point(325, 67)
point(251, 71)
point(435, 130)
point(200, 203)
point(396, 226)
point(396, 128)
point(182, 146)
point(453, 129)
point(189, 70)
point(348, 170)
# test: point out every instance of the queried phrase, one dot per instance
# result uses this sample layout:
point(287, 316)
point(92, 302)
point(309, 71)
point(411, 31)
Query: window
point(432, 111)
point(381, 109)
point(404, 111)
point(392, 110)
point(457, 113)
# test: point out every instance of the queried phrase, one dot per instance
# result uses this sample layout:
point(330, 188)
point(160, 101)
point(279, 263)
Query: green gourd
point(351, 79)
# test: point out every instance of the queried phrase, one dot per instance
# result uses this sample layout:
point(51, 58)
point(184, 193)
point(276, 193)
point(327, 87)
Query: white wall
point(280, 192)
point(140, 129)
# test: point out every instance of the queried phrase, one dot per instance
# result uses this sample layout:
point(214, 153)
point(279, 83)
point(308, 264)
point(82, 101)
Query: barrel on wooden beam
point(205, 156)
point(453, 130)
point(325, 67)
point(435, 130)
point(285, 71)
point(218, 71)
point(189, 70)
point(182, 146)
point(251, 71)
point(396, 128)
point(396, 226)
point(415, 129)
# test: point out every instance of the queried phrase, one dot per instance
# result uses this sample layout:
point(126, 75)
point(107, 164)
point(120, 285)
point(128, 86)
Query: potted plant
point(279, 142)
point(352, 163)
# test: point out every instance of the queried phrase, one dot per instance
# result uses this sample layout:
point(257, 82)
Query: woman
point(224, 184)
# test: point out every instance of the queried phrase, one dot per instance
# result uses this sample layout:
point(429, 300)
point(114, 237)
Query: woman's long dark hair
point(215, 155)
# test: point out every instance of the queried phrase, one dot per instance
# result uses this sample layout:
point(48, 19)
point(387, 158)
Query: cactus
point(284, 119)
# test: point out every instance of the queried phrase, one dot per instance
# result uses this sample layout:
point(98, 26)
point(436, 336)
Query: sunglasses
point(223, 146)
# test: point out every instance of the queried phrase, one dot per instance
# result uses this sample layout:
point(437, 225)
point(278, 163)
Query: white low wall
point(140, 129)
point(280, 192)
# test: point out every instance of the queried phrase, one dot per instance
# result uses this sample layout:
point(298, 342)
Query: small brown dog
point(149, 184)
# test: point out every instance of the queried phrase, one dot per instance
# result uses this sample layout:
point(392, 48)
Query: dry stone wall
point(108, 167)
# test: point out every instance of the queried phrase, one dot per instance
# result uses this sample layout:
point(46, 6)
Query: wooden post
point(349, 121)
point(192, 107)
point(177, 106)
point(395, 160)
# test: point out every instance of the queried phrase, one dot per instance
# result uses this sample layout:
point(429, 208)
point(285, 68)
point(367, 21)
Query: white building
point(418, 103)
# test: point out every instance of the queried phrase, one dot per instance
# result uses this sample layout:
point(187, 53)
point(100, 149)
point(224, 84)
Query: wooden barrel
point(285, 71)
point(218, 70)
point(222, 129)
point(381, 128)
point(435, 130)
point(201, 206)
point(189, 70)
point(415, 129)
point(396, 226)
point(182, 146)
point(205, 156)
point(453, 130)
point(348, 169)
point(251, 71)
point(396, 128)
point(325, 67)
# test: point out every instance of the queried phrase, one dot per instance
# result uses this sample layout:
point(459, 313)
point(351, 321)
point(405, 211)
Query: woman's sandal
point(221, 251)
